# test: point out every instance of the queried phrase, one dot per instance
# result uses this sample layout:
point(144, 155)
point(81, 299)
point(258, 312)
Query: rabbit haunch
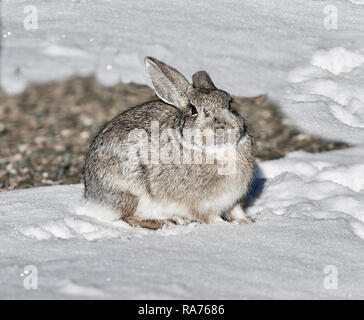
point(154, 193)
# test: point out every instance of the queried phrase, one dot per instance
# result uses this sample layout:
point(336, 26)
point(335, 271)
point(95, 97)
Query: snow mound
point(360, 2)
point(337, 60)
point(326, 97)
point(315, 186)
point(70, 288)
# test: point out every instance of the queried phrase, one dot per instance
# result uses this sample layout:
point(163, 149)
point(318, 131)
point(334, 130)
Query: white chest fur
point(224, 200)
point(151, 209)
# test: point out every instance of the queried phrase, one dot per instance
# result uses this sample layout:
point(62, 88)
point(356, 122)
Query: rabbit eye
point(193, 110)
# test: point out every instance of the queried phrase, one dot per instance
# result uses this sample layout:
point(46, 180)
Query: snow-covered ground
point(308, 241)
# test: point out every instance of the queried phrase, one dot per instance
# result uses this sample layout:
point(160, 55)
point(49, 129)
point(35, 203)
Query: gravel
point(45, 131)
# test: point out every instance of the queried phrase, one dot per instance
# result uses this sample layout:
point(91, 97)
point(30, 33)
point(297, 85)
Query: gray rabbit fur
point(152, 194)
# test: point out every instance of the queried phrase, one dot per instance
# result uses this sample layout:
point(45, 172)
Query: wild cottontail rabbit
point(129, 166)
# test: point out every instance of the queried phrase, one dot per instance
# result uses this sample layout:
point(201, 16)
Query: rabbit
point(154, 194)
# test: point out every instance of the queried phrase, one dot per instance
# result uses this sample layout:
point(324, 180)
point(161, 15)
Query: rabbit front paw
point(245, 220)
point(238, 215)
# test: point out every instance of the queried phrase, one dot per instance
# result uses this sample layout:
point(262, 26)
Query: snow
point(309, 211)
point(309, 208)
point(337, 60)
point(285, 49)
point(326, 96)
point(322, 186)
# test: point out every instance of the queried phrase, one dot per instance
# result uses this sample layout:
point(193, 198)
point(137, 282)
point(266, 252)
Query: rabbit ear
point(170, 86)
point(201, 79)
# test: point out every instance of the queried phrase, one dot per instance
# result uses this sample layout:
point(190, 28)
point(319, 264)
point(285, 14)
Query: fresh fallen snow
point(309, 211)
point(309, 208)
